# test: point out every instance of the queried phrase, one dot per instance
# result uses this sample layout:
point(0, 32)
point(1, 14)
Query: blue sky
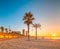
point(46, 12)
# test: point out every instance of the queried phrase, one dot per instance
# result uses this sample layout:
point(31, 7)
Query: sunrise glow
point(45, 13)
point(54, 35)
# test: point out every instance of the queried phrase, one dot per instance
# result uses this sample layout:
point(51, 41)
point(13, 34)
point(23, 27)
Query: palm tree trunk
point(36, 33)
point(28, 33)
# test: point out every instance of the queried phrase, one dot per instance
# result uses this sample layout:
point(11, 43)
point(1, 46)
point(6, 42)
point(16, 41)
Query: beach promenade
point(23, 43)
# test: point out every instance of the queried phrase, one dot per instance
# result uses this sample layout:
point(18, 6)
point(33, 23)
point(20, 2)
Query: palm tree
point(36, 26)
point(28, 18)
point(2, 29)
point(9, 30)
point(6, 29)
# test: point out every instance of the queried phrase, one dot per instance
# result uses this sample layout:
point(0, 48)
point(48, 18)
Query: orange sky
point(47, 30)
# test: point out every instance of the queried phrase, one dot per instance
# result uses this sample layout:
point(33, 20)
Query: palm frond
point(28, 18)
point(37, 25)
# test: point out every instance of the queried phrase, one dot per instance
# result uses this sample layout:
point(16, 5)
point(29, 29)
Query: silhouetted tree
point(9, 30)
point(36, 26)
point(6, 29)
point(2, 29)
point(28, 18)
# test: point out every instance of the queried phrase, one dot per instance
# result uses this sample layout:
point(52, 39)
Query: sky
point(45, 12)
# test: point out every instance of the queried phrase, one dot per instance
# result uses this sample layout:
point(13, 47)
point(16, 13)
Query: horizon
point(45, 12)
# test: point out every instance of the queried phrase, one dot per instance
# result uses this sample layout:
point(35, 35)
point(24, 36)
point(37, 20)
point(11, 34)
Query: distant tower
point(23, 32)
point(9, 30)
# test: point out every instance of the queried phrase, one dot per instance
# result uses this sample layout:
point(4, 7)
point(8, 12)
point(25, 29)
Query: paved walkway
point(22, 43)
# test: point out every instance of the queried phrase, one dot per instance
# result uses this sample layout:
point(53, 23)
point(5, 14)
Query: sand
point(23, 43)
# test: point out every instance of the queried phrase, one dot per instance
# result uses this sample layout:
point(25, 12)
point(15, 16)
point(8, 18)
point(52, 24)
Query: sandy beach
point(23, 43)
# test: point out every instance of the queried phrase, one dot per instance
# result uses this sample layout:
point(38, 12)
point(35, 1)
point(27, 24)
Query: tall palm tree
point(36, 26)
point(2, 29)
point(6, 29)
point(28, 18)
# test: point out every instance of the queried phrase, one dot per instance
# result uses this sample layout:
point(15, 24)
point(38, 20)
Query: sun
point(54, 35)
